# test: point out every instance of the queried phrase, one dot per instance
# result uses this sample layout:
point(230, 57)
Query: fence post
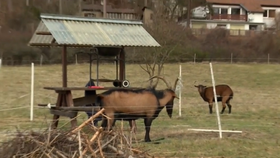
point(41, 60)
point(76, 58)
point(268, 58)
point(0, 63)
point(216, 102)
point(32, 92)
point(231, 58)
point(194, 58)
point(180, 91)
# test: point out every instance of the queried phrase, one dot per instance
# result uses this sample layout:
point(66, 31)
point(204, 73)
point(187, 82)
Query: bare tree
point(172, 38)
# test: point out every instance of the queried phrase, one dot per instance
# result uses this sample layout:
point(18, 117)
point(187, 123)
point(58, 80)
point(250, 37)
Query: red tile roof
point(250, 5)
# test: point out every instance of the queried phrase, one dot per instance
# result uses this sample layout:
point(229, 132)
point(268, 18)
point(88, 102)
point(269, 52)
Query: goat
point(224, 94)
point(132, 123)
point(132, 104)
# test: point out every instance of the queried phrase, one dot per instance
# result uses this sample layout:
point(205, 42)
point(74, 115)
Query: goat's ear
point(196, 86)
point(175, 96)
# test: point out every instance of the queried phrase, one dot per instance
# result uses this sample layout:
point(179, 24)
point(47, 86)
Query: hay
point(78, 143)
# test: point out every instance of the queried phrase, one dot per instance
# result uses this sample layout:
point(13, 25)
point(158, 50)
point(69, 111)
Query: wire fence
point(194, 59)
point(15, 101)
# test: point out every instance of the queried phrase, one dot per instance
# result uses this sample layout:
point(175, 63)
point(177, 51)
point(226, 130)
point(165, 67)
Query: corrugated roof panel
point(99, 34)
point(41, 39)
point(96, 32)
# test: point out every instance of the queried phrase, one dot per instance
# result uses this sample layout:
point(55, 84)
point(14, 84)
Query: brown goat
point(224, 94)
point(132, 104)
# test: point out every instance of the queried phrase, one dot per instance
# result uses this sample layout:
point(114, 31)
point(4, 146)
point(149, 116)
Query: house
point(237, 15)
point(94, 8)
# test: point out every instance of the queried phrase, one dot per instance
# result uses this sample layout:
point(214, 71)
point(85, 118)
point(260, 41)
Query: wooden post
point(64, 66)
point(41, 60)
point(231, 55)
point(194, 58)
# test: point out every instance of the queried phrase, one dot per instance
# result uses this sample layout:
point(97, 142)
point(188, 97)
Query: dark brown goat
point(133, 104)
point(224, 94)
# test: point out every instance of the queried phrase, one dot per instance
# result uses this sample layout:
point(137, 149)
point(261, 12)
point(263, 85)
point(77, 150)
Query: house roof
point(249, 5)
point(56, 30)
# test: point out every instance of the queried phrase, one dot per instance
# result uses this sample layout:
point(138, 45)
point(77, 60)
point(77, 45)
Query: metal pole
point(104, 9)
point(216, 102)
point(60, 6)
point(97, 70)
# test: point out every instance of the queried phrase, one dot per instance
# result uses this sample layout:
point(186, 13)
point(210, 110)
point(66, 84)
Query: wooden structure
point(109, 37)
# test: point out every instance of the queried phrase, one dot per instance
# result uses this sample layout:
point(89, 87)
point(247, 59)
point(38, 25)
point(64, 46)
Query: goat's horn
point(176, 81)
point(162, 80)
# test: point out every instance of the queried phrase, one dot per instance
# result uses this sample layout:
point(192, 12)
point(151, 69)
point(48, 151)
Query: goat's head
point(169, 93)
point(200, 88)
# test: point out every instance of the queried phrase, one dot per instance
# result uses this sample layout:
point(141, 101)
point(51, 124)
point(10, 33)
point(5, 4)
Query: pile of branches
point(77, 143)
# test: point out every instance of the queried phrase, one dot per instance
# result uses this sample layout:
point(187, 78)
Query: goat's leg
point(225, 100)
point(224, 107)
point(148, 123)
point(229, 107)
point(210, 107)
point(132, 125)
point(110, 120)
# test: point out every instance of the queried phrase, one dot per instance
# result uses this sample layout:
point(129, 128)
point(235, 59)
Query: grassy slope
point(255, 107)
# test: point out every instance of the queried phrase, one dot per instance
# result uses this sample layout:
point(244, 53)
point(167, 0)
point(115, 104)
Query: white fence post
point(32, 92)
point(216, 102)
point(180, 90)
point(0, 63)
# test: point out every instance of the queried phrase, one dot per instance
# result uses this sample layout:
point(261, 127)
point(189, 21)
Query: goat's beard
point(169, 110)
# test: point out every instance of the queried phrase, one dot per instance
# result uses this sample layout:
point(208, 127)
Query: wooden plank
point(88, 89)
point(66, 113)
point(84, 108)
point(82, 101)
point(213, 130)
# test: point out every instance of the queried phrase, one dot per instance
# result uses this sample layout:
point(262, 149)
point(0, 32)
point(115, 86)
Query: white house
point(240, 15)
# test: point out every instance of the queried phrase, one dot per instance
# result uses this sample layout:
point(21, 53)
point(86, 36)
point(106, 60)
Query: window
point(89, 15)
point(235, 11)
point(223, 26)
point(224, 11)
point(253, 27)
point(269, 13)
point(265, 13)
point(216, 10)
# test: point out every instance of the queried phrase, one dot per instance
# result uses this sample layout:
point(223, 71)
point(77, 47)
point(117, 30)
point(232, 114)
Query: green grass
point(255, 108)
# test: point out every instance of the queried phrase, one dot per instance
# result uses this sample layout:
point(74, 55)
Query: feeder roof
point(54, 30)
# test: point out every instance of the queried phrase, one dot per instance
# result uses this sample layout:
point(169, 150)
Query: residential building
point(94, 8)
point(237, 15)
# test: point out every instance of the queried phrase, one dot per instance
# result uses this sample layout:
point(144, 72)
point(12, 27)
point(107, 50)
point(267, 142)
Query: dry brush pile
point(77, 143)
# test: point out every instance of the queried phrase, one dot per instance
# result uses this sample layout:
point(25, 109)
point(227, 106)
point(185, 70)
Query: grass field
point(255, 108)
